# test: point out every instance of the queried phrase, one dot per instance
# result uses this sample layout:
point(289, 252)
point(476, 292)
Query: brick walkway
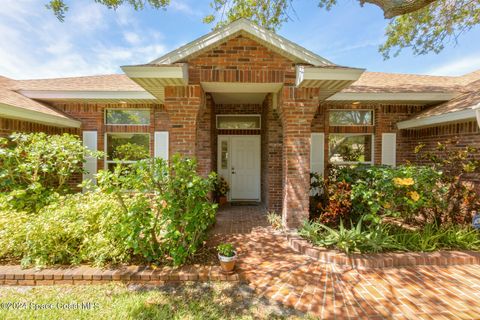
point(275, 271)
point(331, 292)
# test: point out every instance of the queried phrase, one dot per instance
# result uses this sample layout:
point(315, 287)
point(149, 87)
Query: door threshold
point(244, 203)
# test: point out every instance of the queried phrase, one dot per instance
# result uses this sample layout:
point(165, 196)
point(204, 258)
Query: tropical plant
point(374, 238)
point(408, 191)
point(274, 219)
point(226, 249)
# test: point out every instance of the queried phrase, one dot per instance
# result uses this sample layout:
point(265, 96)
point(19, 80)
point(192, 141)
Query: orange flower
point(403, 181)
point(414, 195)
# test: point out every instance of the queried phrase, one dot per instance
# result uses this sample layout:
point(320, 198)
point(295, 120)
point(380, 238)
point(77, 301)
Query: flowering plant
point(221, 187)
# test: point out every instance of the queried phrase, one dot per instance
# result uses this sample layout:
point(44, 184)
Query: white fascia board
point(37, 117)
point(341, 74)
point(438, 119)
point(393, 96)
point(169, 72)
point(100, 95)
point(239, 25)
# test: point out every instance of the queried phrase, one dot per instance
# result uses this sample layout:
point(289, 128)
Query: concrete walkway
point(329, 292)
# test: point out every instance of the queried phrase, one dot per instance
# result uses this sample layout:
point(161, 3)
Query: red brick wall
point(9, 126)
point(272, 140)
point(466, 133)
point(241, 60)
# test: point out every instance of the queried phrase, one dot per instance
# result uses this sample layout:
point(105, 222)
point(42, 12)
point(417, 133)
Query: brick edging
point(382, 260)
point(15, 275)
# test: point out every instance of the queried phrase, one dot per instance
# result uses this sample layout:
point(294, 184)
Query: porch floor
point(284, 276)
point(239, 219)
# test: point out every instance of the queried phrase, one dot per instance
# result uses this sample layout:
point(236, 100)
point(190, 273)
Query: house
point(255, 107)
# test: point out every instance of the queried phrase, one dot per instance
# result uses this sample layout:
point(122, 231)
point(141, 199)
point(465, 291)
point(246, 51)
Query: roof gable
point(246, 28)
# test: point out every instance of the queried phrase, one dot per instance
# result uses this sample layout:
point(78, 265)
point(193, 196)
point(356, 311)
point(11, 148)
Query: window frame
point(343, 163)
point(372, 111)
point(127, 124)
point(259, 116)
point(105, 147)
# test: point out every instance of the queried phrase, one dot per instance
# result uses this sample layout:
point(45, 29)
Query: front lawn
point(118, 301)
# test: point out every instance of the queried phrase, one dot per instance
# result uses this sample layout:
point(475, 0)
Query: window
point(126, 148)
point(238, 122)
point(224, 154)
point(127, 116)
point(351, 117)
point(350, 148)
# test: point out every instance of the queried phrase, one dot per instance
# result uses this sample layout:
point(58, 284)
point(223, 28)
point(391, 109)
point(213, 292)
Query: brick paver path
point(330, 292)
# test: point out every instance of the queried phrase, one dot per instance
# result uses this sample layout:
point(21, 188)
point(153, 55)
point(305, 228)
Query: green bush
point(36, 167)
point(403, 191)
point(175, 211)
point(78, 228)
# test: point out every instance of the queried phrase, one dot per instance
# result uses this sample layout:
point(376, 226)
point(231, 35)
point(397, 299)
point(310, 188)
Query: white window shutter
point(90, 166)
point(316, 152)
point(161, 144)
point(389, 149)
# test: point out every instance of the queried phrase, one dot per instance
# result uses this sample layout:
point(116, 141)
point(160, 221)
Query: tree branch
point(394, 8)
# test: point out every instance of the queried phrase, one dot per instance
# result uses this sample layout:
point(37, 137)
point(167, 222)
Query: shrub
point(457, 164)
point(77, 228)
point(36, 167)
point(403, 191)
point(174, 212)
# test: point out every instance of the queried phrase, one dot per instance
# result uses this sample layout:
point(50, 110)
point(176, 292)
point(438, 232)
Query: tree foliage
point(424, 26)
point(60, 7)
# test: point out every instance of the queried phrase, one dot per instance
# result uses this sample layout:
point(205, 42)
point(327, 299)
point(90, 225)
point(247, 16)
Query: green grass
point(118, 301)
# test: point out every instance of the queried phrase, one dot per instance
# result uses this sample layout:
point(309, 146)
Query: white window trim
point(127, 124)
point(106, 162)
point(352, 162)
point(239, 116)
point(352, 125)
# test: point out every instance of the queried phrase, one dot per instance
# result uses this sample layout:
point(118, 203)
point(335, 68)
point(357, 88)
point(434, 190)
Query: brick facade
point(298, 107)
point(288, 119)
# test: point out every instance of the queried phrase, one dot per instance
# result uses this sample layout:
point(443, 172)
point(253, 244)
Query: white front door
point(243, 166)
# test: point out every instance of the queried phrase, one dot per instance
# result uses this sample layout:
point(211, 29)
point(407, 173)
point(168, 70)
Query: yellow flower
point(414, 195)
point(403, 181)
point(387, 205)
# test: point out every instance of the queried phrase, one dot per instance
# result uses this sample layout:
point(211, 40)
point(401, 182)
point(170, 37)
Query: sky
point(95, 40)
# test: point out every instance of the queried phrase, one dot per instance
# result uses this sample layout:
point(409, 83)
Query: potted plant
point(227, 256)
point(221, 190)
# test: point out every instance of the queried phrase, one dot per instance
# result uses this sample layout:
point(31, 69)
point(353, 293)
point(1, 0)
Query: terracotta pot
point(227, 263)
point(222, 200)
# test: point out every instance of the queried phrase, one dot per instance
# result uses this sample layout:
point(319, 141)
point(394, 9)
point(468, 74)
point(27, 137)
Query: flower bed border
point(382, 260)
point(14, 275)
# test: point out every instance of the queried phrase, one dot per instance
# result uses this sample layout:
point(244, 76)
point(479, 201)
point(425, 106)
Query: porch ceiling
point(240, 93)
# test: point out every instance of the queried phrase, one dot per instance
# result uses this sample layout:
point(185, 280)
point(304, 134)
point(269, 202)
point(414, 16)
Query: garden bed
point(382, 260)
